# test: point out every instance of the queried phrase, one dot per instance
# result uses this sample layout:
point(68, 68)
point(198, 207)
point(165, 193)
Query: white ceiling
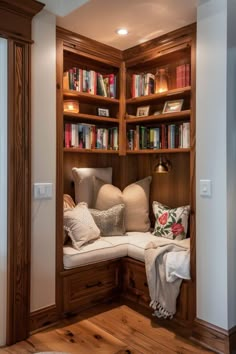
point(99, 19)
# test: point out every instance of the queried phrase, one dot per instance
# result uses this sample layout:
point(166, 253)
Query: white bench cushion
point(107, 248)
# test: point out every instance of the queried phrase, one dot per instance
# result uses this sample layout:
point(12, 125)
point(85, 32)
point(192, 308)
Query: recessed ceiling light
point(122, 31)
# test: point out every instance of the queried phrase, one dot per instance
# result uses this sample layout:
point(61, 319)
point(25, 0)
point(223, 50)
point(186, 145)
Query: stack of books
point(183, 75)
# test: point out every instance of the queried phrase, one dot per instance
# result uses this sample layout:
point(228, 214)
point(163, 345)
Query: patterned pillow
point(111, 222)
point(170, 223)
point(80, 226)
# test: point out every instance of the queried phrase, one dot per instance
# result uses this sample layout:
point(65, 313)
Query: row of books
point(142, 84)
point(90, 136)
point(164, 136)
point(90, 81)
point(182, 75)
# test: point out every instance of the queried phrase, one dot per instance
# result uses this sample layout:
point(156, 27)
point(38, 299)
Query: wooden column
point(15, 26)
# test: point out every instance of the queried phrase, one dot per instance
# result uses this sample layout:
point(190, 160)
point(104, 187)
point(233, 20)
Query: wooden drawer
point(89, 285)
point(135, 285)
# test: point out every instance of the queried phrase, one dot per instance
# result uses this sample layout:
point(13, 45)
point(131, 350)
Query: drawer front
point(135, 285)
point(89, 286)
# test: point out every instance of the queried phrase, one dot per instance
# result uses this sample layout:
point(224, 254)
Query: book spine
point(186, 135)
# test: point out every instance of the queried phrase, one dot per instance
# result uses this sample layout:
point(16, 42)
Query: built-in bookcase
point(130, 161)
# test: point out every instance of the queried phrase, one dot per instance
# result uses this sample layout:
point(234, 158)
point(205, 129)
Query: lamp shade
point(162, 166)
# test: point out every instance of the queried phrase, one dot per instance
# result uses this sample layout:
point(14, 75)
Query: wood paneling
point(19, 200)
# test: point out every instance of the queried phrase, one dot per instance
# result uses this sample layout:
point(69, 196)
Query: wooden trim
point(214, 337)
point(89, 47)
point(19, 193)
point(16, 18)
point(15, 25)
point(43, 317)
point(153, 48)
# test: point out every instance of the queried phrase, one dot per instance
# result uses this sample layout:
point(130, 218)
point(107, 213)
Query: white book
point(186, 135)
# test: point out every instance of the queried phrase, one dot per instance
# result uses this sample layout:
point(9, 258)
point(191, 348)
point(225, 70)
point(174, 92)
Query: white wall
point(3, 188)
point(231, 161)
point(43, 159)
point(212, 301)
point(216, 160)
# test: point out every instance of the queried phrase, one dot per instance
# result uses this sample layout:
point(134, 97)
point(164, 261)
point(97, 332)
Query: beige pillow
point(80, 226)
point(111, 222)
point(83, 178)
point(135, 198)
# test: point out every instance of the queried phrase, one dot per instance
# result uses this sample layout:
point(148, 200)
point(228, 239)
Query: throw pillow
point(110, 222)
point(80, 226)
point(68, 202)
point(83, 178)
point(170, 223)
point(135, 197)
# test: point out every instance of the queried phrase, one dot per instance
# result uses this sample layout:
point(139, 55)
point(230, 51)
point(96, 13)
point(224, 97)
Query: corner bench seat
point(112, 267)
point(107, 248)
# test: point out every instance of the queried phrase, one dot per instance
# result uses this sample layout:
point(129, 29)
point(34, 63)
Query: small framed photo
point(143, 111)
point(103, 112)
point(173, 106)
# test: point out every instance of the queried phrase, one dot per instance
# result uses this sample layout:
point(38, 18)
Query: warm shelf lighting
point(162, 166)
point(71, 106)
point(122, 31)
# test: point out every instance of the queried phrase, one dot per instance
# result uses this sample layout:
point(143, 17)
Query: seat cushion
point(137, 244)
point(98, 251)
point(107, 248)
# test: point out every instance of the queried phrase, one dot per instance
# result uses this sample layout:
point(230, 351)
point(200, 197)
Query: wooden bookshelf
point(175, 188)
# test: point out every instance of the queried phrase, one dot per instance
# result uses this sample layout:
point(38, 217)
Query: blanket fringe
point(159, 311)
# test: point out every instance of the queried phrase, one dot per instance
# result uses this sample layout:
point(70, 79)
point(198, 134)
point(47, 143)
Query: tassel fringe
point(159, 311)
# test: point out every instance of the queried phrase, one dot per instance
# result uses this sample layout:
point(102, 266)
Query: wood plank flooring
point(108, 329)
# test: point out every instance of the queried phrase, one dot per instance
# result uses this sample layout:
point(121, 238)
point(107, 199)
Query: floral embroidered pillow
point(170, 223)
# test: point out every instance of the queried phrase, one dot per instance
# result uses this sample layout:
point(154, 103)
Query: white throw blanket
point(167, 263)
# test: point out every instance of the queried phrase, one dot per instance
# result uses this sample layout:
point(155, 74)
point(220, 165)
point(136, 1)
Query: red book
point(68, 135)
point(187, 74)
point(163, 136)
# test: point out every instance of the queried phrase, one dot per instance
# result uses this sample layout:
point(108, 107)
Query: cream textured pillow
point(83, 178)
point(111, 222)
point(80, 226)
point(135, 198)
point(170, 223)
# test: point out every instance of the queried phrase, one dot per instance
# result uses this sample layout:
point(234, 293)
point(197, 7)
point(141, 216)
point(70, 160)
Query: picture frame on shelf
point(143, 111)
point(173, 106)
point(103, 112)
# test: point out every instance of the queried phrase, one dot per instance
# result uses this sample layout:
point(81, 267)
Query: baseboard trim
point(43, 318)
point(213, 337)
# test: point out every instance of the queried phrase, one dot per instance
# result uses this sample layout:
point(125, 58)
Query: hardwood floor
point(109, 329)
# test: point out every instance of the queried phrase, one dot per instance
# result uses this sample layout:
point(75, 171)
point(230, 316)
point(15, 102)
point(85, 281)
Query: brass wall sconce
point(162, 166)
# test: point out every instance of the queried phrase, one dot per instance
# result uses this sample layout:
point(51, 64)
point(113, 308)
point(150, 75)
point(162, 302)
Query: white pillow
point(80, 226)
point(83, 178)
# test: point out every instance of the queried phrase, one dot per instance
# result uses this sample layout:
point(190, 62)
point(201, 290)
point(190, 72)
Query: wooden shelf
point(87, 97)
point(183, 91)
point(158, 151)
point(91, 151)
point(160, 117)
point(90, 117)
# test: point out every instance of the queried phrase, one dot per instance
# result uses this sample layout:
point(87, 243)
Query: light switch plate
point(205, 187)
point(42, 190)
